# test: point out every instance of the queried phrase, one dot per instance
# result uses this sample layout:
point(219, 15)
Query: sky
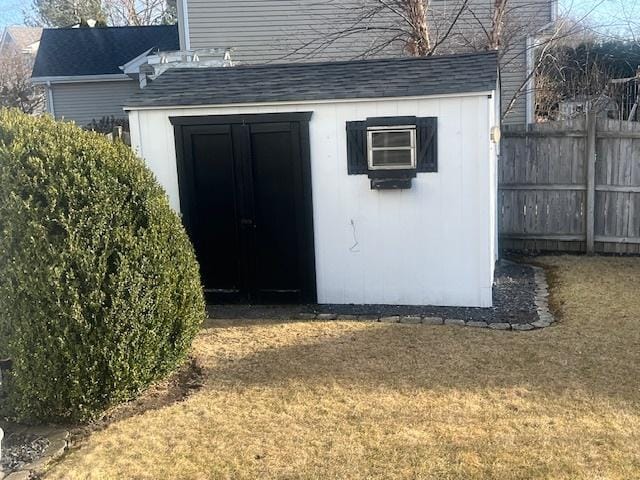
point(11, 12)
point(599, 11)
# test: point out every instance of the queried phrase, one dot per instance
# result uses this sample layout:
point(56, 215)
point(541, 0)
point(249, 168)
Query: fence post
point(117, 133)
point(591, 180)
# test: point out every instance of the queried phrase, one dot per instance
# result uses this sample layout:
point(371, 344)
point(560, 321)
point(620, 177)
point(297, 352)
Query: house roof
point(23, 36)
point(71, 52)
point(398, 77)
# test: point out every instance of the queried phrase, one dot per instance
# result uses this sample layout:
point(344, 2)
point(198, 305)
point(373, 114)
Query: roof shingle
point(399, 77)
point(68, 52)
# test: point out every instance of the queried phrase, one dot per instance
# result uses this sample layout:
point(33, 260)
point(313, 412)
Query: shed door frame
point(307, 252)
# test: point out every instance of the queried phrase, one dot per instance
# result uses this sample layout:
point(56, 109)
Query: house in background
point(297, 30)
point(20, 39)
point(88, 73)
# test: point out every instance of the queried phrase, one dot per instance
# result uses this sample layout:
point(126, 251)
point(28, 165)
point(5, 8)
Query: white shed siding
point(432, 244)
point(83, 102)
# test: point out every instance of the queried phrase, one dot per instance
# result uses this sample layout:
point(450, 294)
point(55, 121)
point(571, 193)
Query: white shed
point(361, 182)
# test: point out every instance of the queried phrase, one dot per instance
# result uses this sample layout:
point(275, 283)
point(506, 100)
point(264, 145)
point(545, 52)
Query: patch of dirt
point(176, 388)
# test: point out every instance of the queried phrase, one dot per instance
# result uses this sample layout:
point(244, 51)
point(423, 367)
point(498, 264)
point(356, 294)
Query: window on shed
point(391, 147)
point(397, 144)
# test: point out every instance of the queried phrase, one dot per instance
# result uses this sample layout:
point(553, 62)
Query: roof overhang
point(487, 93)
point(132, 67)
point(114, 77)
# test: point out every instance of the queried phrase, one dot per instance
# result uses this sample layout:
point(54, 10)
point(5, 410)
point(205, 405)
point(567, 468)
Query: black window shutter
point(427, 136)
point(357, 148)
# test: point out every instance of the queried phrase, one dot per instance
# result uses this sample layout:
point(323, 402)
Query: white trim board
point(133, 65)
point(488, 93)
point(114, 77)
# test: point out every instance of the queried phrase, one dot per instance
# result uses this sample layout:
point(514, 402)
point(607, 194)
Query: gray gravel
point(19, 450)
point(513, 303)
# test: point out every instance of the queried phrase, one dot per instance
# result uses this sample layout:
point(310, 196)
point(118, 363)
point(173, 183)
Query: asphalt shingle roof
point(399, 77)
point(99, 50)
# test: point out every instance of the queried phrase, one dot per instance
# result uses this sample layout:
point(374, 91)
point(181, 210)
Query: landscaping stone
point(411, 319)
point(368, 318)
point(327, 316)
point(390, 319)
point(306, 316)
point(546, 317)
point(500, 326)
point(432, 321)
point(541, 324)
point(454, 321)
point(349, 318)
point(477, 324)
point(522, 327)
point(29, 449)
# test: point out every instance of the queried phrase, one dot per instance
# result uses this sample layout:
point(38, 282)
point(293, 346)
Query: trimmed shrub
point(100, 291)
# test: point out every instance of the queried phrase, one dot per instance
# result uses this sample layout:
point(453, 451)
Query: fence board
point(544, 187)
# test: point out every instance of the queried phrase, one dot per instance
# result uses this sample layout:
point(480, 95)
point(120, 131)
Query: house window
point(391, 148)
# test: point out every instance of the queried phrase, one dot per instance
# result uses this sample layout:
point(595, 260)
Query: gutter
point(114, 77)
point(185, 25)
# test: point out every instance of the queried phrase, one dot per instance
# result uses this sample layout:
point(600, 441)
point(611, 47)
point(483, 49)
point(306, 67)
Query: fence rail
point(571, 185)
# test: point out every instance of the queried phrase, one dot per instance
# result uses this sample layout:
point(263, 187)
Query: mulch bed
point(513, 302)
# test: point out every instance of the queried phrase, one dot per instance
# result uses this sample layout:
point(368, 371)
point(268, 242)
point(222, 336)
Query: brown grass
point(361, 400)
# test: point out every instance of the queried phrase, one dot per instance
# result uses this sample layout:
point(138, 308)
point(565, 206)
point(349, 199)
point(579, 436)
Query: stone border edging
point(541, 300)
point(545, 317)
point(58, 444)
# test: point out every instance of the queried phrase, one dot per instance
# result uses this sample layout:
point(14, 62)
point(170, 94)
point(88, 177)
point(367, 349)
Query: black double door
point(245, 192)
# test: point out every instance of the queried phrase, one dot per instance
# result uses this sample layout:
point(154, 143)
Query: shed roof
point(398, 77)
point(70, 52)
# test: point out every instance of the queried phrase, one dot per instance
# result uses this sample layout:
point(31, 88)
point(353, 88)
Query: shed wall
point(432, 244)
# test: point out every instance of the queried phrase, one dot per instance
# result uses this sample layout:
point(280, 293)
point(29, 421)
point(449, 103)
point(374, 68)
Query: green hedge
point(99, 288)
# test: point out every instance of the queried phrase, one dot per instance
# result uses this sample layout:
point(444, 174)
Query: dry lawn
point(361, 400)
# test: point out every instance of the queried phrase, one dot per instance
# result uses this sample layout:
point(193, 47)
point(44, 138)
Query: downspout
point(532, 41)
point(185, 25)
point(50, 108)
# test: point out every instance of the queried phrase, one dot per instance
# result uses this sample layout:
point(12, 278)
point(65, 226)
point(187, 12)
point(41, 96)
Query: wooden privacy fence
point(572, 185)
point(119, 135)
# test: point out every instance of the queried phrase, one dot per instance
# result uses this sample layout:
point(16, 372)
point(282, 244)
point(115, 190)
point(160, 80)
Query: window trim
point(392, 128)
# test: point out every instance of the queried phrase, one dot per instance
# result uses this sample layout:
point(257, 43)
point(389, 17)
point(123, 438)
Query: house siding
point(357, 245)
point(261, 31)
point(83, 102)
